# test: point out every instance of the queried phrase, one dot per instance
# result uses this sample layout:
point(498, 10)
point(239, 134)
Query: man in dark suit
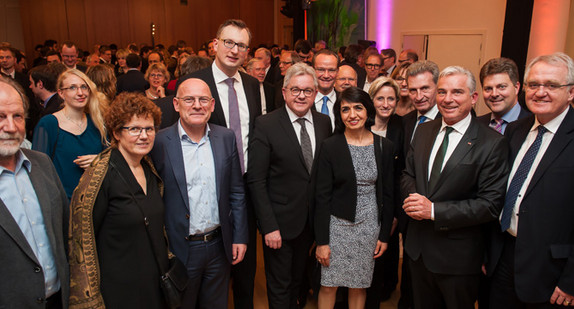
point(206, 218)
point(133, 80)
point(532, 258)
point(282, 149)
point(500, 87)
point(33, 216)
point(237, 103)
point(43, 81)
point(454, 183)
point(256, 68)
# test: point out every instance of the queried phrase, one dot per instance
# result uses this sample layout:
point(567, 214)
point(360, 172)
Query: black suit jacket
point(277, 177)
point(469, 193)
point(269, 90)
point(168, 114)
point(544, 252)
point(336, 185)
point(132, 81)
point(53, 105)
point(485, 119)
point(409, 123)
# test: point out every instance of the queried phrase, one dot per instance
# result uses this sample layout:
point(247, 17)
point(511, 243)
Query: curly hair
point(124, 107)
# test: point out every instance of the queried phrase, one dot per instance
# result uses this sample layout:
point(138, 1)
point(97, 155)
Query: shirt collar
point(430, 114)
point(184, 137)
point(21, 160)
point(332, 96)
point(292, 117)
point(49, 98)
point(511, 115)
point(460, 126)
point(219, 76)
point(553, 124)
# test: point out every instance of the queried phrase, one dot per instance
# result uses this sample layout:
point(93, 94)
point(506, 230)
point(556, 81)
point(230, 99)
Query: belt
point(209, 236)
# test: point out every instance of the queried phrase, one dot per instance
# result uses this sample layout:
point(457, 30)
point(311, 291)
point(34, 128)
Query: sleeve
point(237, 198)
point(323, 194)
point(388, 183)
point(45, 135)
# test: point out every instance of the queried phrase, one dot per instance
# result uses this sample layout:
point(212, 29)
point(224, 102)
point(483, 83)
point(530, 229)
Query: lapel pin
point(469, 143)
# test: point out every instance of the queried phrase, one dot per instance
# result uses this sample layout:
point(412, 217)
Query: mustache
point(4, 136)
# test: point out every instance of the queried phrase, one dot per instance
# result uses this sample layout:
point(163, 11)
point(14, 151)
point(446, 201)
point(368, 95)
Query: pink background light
point(384, 21)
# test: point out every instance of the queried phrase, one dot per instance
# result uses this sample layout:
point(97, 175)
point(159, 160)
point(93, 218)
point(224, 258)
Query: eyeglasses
point(372, 66)
point(400, 79)
point(75, 88)
point(191, 100)
point(137, 131)
point(230, 44)
point(307, 92)
point(532, 86)
point(285, 62)
point(159, 75)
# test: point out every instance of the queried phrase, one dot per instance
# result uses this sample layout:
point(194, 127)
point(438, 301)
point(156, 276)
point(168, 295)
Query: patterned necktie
point(234, 120)
point(306, 145)
point(497, 124)
point(325, 108)
point(439, 159)
point(519, 178)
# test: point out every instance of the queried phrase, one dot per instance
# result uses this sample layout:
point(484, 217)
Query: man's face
point(93, 60)
point(69, 56)
point(388, 62)
point(346, 78)
point(202, 53)
point(211, 50)
point(301, 103)
point(261, 56)
point(196, 112)
point(153, 58)
point(53, 59)
point(326, 69)
point(544, 102)
point(305, 57)
point(107, 55)
point(21, 66)
point(403, 58)
point(373, 67)
point(422, 91)
point(257, 70)
point(7, 60)
point(499, 93)
point(12, 122)
point(285, 62)
point(454, 99)
point(230, 59)
point(35, 88)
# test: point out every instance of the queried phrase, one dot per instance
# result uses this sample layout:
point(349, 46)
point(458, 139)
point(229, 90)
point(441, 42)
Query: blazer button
point(37, 269)
point(187, 216)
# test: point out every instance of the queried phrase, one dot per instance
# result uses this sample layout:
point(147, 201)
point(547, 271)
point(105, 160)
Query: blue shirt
point(201, 184)
point(17, 193)
point(509, 117)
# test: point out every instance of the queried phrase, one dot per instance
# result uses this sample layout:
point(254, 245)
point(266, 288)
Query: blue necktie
point(325, 108)
point(422, 119)
point(519, 178)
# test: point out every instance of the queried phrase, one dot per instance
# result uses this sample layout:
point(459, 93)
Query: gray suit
point(22, 280)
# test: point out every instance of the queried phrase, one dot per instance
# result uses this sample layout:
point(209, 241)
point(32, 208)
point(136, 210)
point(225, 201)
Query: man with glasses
point(326, 65)
point(373, 68)
point(532, 252)
point(389, 61)
point(282, 149)
point(237, 103)
point(346, 78)
point(256, 68)
point(205, 210)
point(286, 60)
point(408, 55)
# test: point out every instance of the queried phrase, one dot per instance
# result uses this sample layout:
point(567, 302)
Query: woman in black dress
point(115, 194)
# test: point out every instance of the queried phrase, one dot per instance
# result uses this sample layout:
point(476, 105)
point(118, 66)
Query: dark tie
point(422, 119)
point(325, 107)
point(519, 178)
point(497, 125)
point(234, 120)
point(306, 145)
point(439, 159)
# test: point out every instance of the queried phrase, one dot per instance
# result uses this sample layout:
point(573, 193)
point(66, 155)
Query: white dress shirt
point(308, 126)
point(319, 104)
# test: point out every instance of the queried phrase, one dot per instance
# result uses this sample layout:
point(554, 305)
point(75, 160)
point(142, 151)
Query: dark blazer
point(269, 90)
point(250, 86)
point(544, 252)
point(277, 177)
point(279, 100)
point(168, 160)
point(22, 283)
point(132, 81)
point(53, 105)
point(409, 123)
point(336, 185)
point(469, 193)
point(168, 114)
point(485, 119)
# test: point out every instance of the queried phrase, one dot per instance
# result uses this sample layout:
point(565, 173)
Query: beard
point(10, 143)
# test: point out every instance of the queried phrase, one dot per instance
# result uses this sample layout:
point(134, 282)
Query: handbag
point(173, 281)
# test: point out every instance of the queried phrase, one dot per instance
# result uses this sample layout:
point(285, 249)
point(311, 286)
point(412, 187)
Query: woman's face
point(156, 78)
point(401, 79)
point(75, 92)
point(136, 146)
point(353, 115)
point(385, 102)
point(122, 62)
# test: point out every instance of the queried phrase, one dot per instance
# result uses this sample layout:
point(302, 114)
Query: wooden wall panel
point(90, 22)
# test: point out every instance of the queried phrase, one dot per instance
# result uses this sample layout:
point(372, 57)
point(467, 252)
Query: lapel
point(175, 155)
point(321, 132)
point(217, 117)
point(251, 94)
point(428, 143)
point(518, 137)
point(289, 131)
point(218, 149)
point(11, 228)
point(563, 137)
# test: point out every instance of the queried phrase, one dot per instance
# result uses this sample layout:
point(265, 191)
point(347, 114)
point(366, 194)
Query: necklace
point(81, 125)
point(153, 97)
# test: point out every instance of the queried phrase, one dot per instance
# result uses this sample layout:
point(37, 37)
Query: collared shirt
point(453, 139)
point(48, 99)
point(199, 168)
point(309, 126)
point(19, 196)
point(12, 74)
point(223, 90)
point(509, 117)
point(430, 115)
point(552, 126)
point(319, 104)
point(367, 86)
point(390, 70)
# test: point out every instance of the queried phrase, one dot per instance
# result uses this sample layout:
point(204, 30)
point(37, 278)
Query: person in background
point(105, 79)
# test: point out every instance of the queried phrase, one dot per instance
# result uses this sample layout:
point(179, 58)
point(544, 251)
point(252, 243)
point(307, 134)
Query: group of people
point(329, 159)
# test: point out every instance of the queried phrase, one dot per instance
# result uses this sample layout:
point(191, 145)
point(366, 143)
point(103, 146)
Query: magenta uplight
point(384, 21)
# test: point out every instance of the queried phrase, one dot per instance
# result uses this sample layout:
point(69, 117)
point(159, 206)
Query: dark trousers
point(209, 271)
point(502, 292)
point(54, 301)
point(432, 290)
point(385, 275)
point(285, 270)
point(406, 300)
point(243, 274)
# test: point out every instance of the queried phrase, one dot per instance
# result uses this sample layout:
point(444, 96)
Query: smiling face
point(74, 98)
point(69, 56)
point(499, 93)
point(257, 70)
point(136, 147)
point(422, 91)
point(454, 98)
point(353, 115)
point(193, 115)
point(326, 69)
point(229, 60)
point(299, 104)
point(385, 101)
point(346, 78)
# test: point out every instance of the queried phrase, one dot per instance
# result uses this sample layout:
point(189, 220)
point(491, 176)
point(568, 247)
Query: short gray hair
point(457, 70)
point(424, 66)
point(299, 69)
point(555, 59)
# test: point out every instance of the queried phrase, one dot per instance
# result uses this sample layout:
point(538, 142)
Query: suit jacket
point(132, 81)
point(409, 123)
point(53, 105)
point(250, 86)
point(168, 160)
point(22, 281)
point(336, 185)
point(277, 177)
point(168, 114)
point(544, 251)
point(469, 193)
point(269, 96)
point(279, 100)
point(485, 119)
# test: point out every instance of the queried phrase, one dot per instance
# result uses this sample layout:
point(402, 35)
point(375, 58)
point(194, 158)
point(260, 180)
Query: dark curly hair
point(124, 107)
point(354, 95)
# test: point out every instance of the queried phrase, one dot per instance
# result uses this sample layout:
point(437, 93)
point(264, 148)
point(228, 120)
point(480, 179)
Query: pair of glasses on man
point(231, 44)
point(137, 131)
point(297, 91)
point(532, 86)
point(191, 100)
